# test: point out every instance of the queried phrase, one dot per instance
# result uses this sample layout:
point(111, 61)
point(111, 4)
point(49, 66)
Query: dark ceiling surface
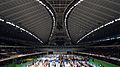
point(77, 18)
point(28, 14)
point(10, 35)
point(111, 31)
point(9, 31)
point(91, 14)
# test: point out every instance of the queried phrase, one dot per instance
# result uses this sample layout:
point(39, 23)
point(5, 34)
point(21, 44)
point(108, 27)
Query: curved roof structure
point(89, 15)
point(60, 20)
point(30, 15)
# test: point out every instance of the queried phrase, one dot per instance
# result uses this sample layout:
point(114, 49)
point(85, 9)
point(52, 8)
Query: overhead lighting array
point(66, 16)
point(12, 24)
point(105, 39)
point(30, 32)
point(100, 28)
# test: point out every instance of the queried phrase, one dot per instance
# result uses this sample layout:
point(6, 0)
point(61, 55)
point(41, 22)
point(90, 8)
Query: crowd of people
point(60, 61)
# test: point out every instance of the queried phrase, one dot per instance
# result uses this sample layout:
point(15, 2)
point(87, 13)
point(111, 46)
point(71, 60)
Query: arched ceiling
point(30, 15)
point(107, 33)
point(80, 18)
point(89, 15)
point(13, 36)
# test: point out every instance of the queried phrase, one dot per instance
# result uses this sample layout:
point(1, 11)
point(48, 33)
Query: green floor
point(17, 65)
point(98, 62)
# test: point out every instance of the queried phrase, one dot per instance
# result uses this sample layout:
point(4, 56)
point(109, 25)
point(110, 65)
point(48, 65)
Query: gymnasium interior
point(59, 33)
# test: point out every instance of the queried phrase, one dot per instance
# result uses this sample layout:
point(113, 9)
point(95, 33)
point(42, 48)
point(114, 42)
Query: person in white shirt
point(67, 64)
point(53, 64)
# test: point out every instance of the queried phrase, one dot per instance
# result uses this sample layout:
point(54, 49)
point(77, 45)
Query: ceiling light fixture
point(98, 29)
point(12, 24)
